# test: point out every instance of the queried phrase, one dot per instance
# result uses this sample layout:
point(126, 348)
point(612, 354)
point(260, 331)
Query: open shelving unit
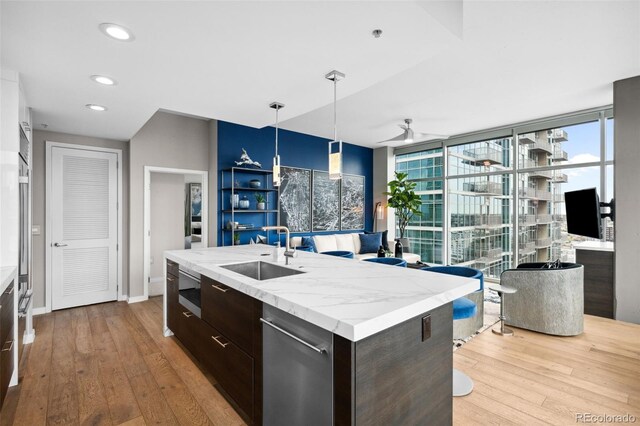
point(235, 181)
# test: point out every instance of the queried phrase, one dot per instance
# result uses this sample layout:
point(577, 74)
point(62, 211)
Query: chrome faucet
point(287, 252)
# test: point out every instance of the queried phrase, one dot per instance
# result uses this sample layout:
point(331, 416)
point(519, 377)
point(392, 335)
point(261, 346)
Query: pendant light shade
point(276, 159)
point(335, 146)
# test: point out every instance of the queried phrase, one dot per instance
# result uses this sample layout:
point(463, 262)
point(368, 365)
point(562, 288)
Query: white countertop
point(594, 245)
point(351, 298)
point(7, 273)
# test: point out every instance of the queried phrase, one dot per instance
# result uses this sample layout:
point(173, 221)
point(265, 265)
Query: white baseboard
point(137, 299)
point(156, 286)
point(122, 298)
point(28, 337)
point(39, 311)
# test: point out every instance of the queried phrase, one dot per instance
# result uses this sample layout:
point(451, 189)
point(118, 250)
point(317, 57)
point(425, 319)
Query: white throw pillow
point(356, 242)
point(325, 243)
point(345, 242)
point(295, 241)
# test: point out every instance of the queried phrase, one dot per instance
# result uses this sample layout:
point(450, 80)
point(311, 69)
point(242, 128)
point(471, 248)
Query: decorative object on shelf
point(245, 160)
point(295, 199)
point(261, 202)
point(261, 239)
point(404, 200)
point(255, 183)
point(231, 224)
point(398, 248)
point(252, 242)
point(276, 159)
point(244, 203)
point(335, 158)
point(352, 203)
point(325, 202)
point(234, 199)
point(236, 239)
point(381, 252)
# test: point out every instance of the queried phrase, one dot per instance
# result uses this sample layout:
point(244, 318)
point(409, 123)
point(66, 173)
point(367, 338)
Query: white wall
point(383, 169)
point(166, 140)
point(626, 111)
point(167, 219)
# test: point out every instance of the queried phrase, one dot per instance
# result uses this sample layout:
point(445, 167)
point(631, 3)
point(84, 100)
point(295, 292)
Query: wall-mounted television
point(583, 213)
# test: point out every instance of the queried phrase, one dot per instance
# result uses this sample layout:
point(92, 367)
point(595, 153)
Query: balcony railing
point(484, 155)
point(544, 218)
point(559, 218)
point(559, 135)
point(558, 198)
point(541, 146)
point(543, 195)
point(559, 154)
point(527, 247)
point(560, 178)
point(493, 188)
point(527, 193)
point(527, 138)
point(487, 255)
point(527, 219)
point(489, 221)
point(543, 242)
point(545, 174)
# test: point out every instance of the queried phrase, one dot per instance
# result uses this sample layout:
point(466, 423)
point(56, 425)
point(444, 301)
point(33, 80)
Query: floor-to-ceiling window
point(504, 201)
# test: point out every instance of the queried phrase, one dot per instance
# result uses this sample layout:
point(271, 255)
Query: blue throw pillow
point(308, 242)
point(385, 240)
point(370, 243)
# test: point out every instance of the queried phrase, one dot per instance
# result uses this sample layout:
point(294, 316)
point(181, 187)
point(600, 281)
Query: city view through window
point(481, 185)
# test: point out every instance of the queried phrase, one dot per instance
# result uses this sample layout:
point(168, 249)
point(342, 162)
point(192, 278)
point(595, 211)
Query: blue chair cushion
point(464, 308)
point(308, 242)
point(461, 271)
point(340, 253)
point(394, 261)
point(305, 248)
point(369, 243)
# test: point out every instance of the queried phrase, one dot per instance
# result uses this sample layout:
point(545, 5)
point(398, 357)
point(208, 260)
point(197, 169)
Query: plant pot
point(255, 183)
point(261, 206)
point(244, 203)
point(236, 242)
point(406, 246)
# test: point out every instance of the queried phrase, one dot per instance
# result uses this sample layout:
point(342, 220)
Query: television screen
point(583, 213)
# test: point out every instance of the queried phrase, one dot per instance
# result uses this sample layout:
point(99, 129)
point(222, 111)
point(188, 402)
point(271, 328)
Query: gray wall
point(167, 225)
point(166, 140)
point(626, 110)
point(213, 183)
point(383, 168)
point(38, 208)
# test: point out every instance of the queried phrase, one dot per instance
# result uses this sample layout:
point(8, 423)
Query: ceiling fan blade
point(422, 137)
point(399, 138)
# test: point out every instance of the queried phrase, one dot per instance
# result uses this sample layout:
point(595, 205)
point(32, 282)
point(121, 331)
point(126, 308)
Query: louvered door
point(84, 234)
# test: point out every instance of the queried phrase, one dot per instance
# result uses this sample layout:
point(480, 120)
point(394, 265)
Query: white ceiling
point(453, 67)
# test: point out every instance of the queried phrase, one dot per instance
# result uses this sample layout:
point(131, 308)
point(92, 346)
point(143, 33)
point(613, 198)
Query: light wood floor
point(110, 364)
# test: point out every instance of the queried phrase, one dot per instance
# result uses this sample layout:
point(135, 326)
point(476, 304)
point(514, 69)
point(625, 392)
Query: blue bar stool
point(462, 308)
point(393, 261)
point(340, 253)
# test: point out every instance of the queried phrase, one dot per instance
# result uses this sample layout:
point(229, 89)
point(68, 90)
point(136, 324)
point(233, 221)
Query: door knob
point(59, 245)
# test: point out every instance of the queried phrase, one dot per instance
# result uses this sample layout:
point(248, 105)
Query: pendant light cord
point(335, 109)
point(277, 110)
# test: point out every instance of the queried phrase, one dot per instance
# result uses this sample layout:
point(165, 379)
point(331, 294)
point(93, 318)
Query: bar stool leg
point(502, 331)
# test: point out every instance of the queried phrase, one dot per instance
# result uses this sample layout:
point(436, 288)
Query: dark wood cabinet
point(7, 340)
point(226, 340)
point(598, 281)
point(229, 311)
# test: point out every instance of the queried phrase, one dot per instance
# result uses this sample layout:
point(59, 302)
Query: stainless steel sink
point(261, 271)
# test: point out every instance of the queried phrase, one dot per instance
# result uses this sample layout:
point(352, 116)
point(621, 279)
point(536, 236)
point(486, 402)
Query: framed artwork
point(352, 203)
point(195, 194)
point(294, 199)
point(325, 202)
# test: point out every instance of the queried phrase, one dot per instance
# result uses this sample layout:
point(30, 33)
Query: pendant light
point(276, 160)
point(335, 147)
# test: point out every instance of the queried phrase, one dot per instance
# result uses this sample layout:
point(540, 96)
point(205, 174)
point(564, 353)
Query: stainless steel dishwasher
point(297, 371)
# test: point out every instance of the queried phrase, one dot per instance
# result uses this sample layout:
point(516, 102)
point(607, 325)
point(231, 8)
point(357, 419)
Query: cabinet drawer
point(172, 302)
point(229, 311)
point(6, 313)
point(172, 268)
point(6, 365)
point(232, 368)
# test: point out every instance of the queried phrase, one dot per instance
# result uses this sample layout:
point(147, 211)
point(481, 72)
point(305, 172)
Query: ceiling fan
point(409, 136)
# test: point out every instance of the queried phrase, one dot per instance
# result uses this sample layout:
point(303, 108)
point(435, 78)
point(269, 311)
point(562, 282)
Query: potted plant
point(405, 202)
point(236, 239)
point(261, 201)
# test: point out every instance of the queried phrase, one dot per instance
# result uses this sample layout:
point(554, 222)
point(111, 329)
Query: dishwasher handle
point(296, 338)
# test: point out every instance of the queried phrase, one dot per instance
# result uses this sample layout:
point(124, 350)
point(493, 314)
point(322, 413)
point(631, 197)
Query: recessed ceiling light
point(95, 107)
point(103, 79)
point(116, 31)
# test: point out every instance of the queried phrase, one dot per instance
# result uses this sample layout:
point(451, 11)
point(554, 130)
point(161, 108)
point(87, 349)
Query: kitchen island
point(323, 340)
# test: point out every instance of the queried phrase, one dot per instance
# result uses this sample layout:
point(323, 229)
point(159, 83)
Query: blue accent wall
point(296, 150)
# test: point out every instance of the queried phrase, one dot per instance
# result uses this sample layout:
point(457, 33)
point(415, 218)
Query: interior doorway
point(175, 213)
